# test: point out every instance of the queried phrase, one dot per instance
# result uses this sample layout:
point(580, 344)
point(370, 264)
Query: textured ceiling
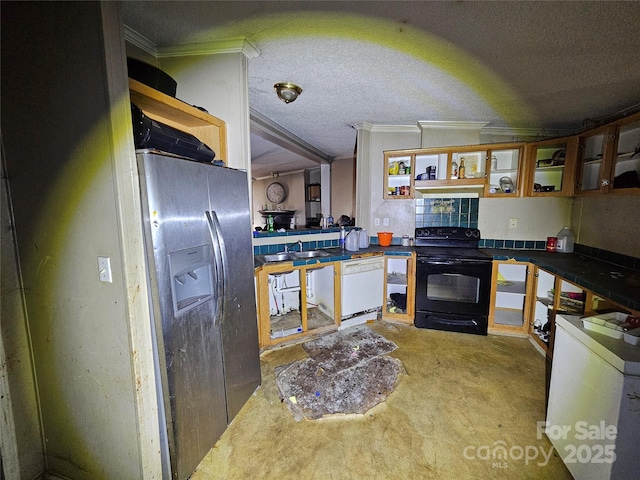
point(543, 65)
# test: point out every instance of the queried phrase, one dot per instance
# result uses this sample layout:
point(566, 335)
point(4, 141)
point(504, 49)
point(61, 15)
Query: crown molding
point(386, 128)
point(140, 41)
point(454, 125)
point(526, 132)
point(231, 45)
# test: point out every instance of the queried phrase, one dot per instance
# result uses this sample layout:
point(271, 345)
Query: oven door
point(453, 286)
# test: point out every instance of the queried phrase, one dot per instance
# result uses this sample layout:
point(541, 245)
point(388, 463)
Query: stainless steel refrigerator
point(197, 225)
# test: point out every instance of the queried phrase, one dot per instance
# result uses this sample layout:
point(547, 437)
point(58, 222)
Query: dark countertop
point(614, 282)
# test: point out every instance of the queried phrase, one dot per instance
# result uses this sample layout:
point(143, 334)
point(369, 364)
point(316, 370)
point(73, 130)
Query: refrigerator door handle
point(221, 261)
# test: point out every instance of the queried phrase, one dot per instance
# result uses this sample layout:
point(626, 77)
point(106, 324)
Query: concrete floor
point(463, 398)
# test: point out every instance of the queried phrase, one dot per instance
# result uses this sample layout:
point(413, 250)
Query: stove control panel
point(448, 233)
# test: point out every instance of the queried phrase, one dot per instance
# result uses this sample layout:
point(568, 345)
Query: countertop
point(614, 282)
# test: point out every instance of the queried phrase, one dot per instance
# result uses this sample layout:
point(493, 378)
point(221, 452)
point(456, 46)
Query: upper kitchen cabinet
point(462, 167)
point(551, 167)
point(609, 158)
point(492, 169)
point(398, 178)
point(177, 114)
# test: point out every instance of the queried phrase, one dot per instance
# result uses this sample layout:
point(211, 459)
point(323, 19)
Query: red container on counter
point(552, 244)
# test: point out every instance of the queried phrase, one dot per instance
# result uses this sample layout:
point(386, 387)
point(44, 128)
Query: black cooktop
point(449, 243)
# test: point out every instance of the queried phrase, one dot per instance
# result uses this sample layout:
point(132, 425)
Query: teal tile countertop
point(337, 254)
point(620, 284)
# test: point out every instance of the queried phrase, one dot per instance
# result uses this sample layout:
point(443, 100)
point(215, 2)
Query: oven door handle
point(442, 262)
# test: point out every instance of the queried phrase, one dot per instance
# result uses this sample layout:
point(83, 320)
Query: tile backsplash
point(447, 212)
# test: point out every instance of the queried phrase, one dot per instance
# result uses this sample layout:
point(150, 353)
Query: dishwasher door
point(362, 285)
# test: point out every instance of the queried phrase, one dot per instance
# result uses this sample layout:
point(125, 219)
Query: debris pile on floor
point(347, 372)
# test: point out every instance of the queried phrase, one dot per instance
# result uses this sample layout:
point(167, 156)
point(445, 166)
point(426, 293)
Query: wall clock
point(276, 193)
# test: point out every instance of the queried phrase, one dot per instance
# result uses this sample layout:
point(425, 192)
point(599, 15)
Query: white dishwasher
point(362, 289)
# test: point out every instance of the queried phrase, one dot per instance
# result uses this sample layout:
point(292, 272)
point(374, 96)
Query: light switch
point(513, 223)
point(104, 269)
point(385, 222)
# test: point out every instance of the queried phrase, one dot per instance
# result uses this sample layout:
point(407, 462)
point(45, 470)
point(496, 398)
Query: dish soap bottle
point(270, 223)
point(565, 240)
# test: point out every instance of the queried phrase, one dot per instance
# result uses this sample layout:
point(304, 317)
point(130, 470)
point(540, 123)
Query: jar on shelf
point(454, 169)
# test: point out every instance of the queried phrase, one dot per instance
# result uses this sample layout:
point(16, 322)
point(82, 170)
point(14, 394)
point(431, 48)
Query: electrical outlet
point(376, 222)
point(385, 222)
point(513, 223)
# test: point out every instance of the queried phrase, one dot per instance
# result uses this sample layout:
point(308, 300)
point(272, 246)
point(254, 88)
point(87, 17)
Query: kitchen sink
point(288, 256)
point(309, 254)
point(278, 257)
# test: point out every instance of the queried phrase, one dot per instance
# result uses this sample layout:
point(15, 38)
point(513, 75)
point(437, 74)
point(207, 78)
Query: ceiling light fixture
point(287, 92)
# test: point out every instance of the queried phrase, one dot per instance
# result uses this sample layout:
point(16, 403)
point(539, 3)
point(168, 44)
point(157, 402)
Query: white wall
point(608, 222)
point(218, 83)
point(69, 156)
point(537, 218)
point(343, 189)
point(372, 142)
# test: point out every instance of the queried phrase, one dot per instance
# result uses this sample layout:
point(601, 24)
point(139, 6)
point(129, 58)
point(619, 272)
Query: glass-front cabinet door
point(551, 165)
point(626, 161)
point(594, 161)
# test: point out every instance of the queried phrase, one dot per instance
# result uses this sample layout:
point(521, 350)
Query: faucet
point(299, 243)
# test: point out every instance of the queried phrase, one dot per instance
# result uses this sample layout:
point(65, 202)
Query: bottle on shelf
point(461, 170)
point(401, 168)
point(454, 170)
point(565, 240)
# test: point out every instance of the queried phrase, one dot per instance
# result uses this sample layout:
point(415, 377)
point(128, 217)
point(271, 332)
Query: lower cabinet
point(295, 301)
point(510, 297)
point(399, 291)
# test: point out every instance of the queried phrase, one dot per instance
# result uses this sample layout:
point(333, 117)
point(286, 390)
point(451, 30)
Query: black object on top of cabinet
point(151, 76)
point(151, 134)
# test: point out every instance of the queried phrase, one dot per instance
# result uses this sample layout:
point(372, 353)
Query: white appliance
point(593, 417)
point(362, 290)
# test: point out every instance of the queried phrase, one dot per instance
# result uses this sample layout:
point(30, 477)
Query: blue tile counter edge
point(337, 255)
point(617, 283)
